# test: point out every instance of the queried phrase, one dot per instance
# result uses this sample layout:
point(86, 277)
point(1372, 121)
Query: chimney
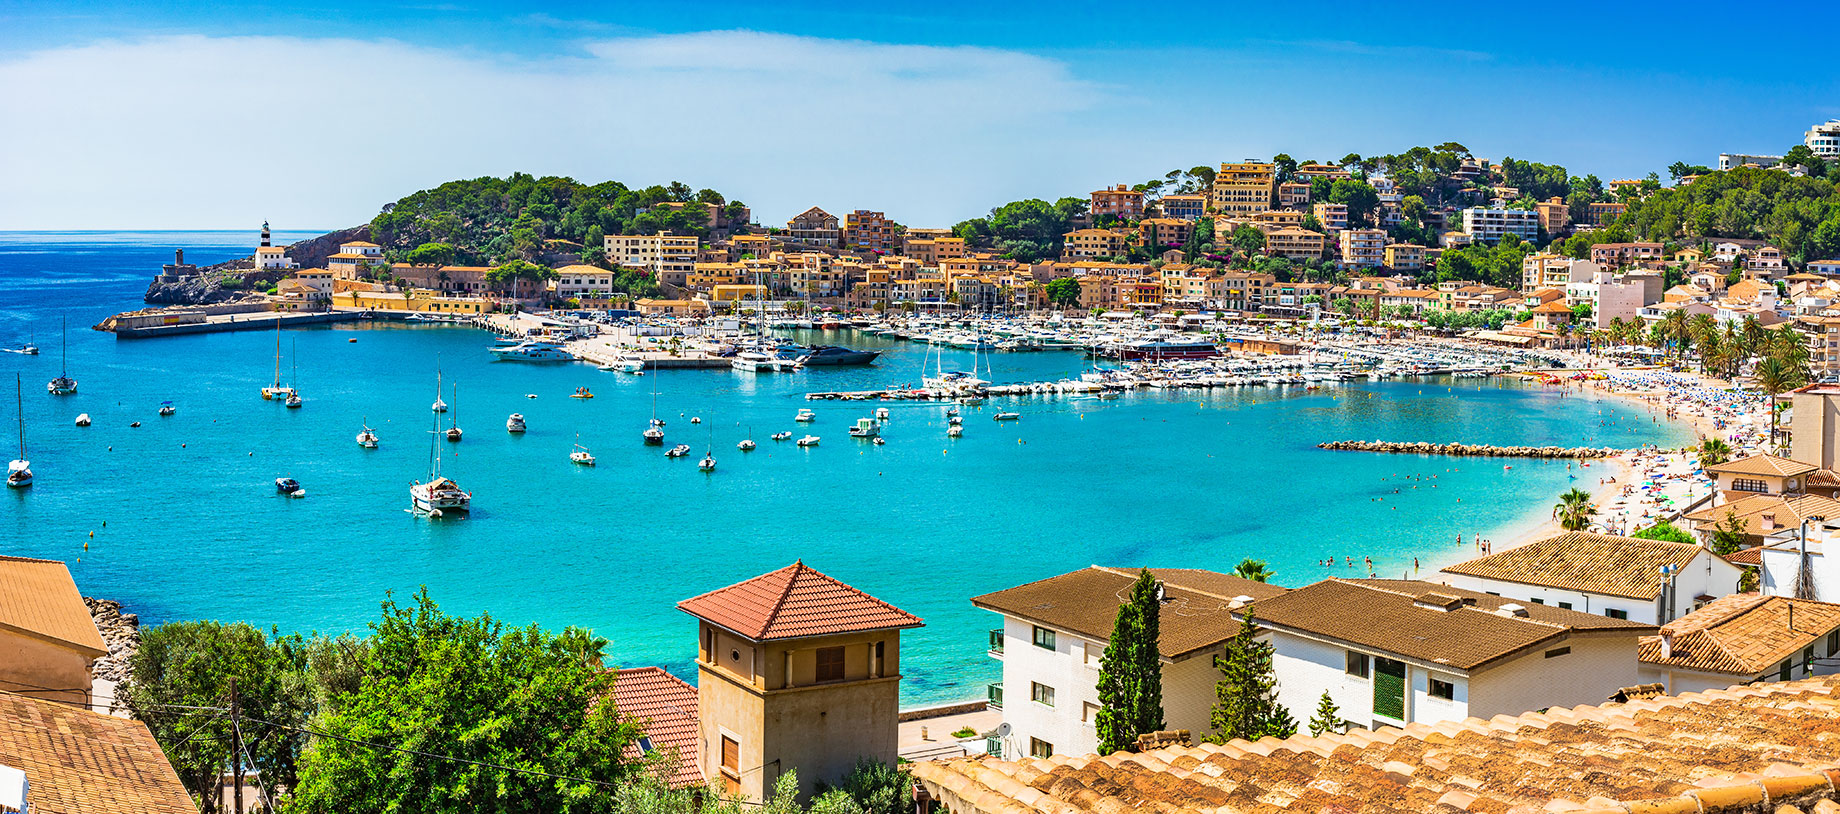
point(1512, 609)
point(178, 257)
point(13, 790)
point(1769, 521)
point(1667, 643)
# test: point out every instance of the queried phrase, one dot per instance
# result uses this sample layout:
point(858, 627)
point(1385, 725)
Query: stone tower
point(795, 671)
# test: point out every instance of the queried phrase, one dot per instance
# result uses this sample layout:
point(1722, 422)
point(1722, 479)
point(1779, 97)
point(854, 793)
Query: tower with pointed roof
point(795, 671)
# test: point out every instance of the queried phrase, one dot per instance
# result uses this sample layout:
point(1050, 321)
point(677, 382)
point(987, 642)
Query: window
point(645, 745)
point(1833, 643)
point(1041, 694)
point(1040, 748)
point(1044, 638)
point(830, 664)
point(1749, 485)
point(1616, 614)
point(1357, 664)
point(1565, 605)
point(1557, 652)
point(1088, 711)
point(1782, 670)
point(1442, 689)
point(1537, 601)
point(731, 765)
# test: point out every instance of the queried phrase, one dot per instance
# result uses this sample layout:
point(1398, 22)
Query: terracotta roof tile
point(1197, 615)
point(1751, 748)
point(1763, 465)
point(41, 600)
point(1742, 634)
point(1396, 616)
point(665, 706)
point(82, 762)
point(1579, 561)
point(795, 602)
point(1786, 511)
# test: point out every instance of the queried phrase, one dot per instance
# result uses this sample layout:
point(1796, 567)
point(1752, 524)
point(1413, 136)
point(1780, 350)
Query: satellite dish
point(1003, 730)
point(1160, 593)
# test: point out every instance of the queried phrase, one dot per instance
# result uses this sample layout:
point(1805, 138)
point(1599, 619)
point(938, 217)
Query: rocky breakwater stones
point(120, 631)
point(1470, 450)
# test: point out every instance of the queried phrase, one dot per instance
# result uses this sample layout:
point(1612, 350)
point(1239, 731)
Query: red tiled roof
point(795, 602)
point(665, 707)
point(40, 600)
point(83, 762)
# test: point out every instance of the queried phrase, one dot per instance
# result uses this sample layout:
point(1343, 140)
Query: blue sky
point(311, 115)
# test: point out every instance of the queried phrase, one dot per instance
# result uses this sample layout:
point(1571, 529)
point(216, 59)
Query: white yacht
point(533, 350)
point(808, 441)
point(19, 471)
point(746, 445)
point(367, 438)
point(782, 436)
point(83, 420)
point(166, 408)
point(865, 428)
point(678, 451)
point(293, 401)
point(755, 361)
point(63, 385)
point(708, 464)
point(438, 495)
point(581, 455)
point(805, 416)
point(955, 431)
point(1008, 416)
point(515, 423)
point(274, 390)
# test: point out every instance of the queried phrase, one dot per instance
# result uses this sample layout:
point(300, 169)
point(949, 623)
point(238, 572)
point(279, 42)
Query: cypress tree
point(1328, 717)
point(1131, 677)
point(1246, 697)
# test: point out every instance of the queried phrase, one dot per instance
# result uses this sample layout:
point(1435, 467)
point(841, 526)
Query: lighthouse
point(265, 243)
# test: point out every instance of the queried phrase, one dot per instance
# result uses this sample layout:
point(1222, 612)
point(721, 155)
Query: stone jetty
point(120, 631)
point(1470, 450)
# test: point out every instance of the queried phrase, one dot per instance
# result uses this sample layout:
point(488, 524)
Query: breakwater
point(1469, 450)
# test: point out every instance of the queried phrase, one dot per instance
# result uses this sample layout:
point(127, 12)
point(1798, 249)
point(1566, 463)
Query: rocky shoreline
point(121, 632)
point(208, 286)
point(1470, 450)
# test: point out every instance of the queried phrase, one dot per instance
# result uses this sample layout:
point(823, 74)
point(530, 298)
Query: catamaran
point(438, 495)
point(19, 472)
point(63, 385)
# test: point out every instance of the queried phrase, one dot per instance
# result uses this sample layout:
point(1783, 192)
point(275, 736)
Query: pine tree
point(1328, 717)
point(1246, 697)
point(1131, 677)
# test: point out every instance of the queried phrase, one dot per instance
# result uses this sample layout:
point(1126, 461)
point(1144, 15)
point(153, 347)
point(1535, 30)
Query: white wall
point(1306, 668)
point(1777, 576)
point(1596, 668)
point(1705, 574)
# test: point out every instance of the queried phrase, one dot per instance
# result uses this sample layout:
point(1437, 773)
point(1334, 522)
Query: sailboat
point(581, 454)
point(439, 406)
point(293, 393)
point(654, 433)
point(63, 385)
point(453, 427)
point(708, 464)
point(275, 390)
point(438, 495)
point(747, 444)
point(19, 472)
point(367, 438)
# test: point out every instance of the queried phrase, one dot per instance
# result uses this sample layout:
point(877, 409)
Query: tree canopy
point(1027, 231)
point(1131, 674)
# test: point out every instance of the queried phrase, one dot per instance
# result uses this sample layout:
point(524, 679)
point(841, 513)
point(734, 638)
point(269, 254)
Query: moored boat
point(19, 470)
point(808, 441)
point(678, 451)
point(367, 438)
point(532, 350)
point(865, 428)
point(515, 423)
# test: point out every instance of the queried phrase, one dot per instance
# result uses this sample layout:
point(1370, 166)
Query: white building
point(1054, 634)
point(669, 257)
point(1732, 161)
point(575, 281)
point(352, 258)
point(1489, 224)
point(1824, 139)
point(1619, 577)
point(1744, 639)
point(1397, 652)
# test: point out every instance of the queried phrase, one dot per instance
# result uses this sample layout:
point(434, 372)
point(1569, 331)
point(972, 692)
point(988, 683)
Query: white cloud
point(192, 131)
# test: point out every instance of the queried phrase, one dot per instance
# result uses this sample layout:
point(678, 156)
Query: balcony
point(996, 695)
point(996, 643)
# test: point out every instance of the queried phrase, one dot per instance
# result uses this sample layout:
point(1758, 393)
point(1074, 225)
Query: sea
point(178, 518)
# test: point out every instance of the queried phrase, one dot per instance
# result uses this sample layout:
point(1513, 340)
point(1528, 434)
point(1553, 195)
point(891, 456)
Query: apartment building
point(1184, 206)
point(1332, 216)
point(1647, 581)
point(867, 231)
point(1363, 248)
point(1554, 215)
point(1243, 188)
point(1310, 172)
point(1542, 270)
point(1732, 161)
point(1294, 243)
point(930, 251)
point(1159, 234)
point(1604, 214)
point(1119, 201)
point(924, 290)
point(668, 257)
point(1405, 256)
point(1054, 632)
point(579, 280)
point(815, 227)
point(1094, 243)
point(1618, 255)
point(1240, 291)
point(1490, 224)
point(1824, 139)
point(1293, 195)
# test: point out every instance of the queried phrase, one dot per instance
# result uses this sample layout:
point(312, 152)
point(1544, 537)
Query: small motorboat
point(746, 445)
point(287, 486)
point(367, 438)
point(952, 411)
point(438, 406)
point(781, 436)
point(678, 451)
point(880, 440)
point(1007, 417)
point(137, 423)
point(515, 423)
point(293, 401)
point(581, 393)
point(83, 420)
point(808, 441)
point(806, 416)
point(865, 428)
point(955, 431)
point(881, 414)
point(955, 420)
point(166, 408)
point(581, 456)
point(695, 420)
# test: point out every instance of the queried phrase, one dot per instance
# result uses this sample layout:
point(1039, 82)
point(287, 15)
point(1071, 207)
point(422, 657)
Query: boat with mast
point(367, 437)
point(293, 392)
point(19, 471)
point(654, 432)
point(708, 464)
point(453, 424)
point(275, 390)
point(438, 495)
point(63, 385)
point(438, 406)
point(581, 454)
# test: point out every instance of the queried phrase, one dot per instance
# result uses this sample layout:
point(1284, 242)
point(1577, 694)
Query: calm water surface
point(187, 524)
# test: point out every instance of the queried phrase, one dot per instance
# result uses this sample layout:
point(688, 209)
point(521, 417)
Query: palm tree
point(1714, 452)
point(1574, 510)
point(1252, 569)
point(1775, 378)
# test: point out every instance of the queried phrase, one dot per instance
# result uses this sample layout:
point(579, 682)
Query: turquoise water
point(187, 524)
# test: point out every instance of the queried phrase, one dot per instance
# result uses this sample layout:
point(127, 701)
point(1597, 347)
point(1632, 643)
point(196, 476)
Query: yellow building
point(1165, 233)
point(669, 257)
point(1243, 189)
point(1295, 243)
point(868, 231)
point(413, 301)
point(1094, 243)
point(1405, 256)
point(737, 292)
point(1332, 216)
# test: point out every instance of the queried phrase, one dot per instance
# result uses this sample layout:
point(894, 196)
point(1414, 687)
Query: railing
point(996, 642)
point(996, 695)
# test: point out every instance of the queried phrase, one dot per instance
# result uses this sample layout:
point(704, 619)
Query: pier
point(154, 324)
point(1470, 450)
